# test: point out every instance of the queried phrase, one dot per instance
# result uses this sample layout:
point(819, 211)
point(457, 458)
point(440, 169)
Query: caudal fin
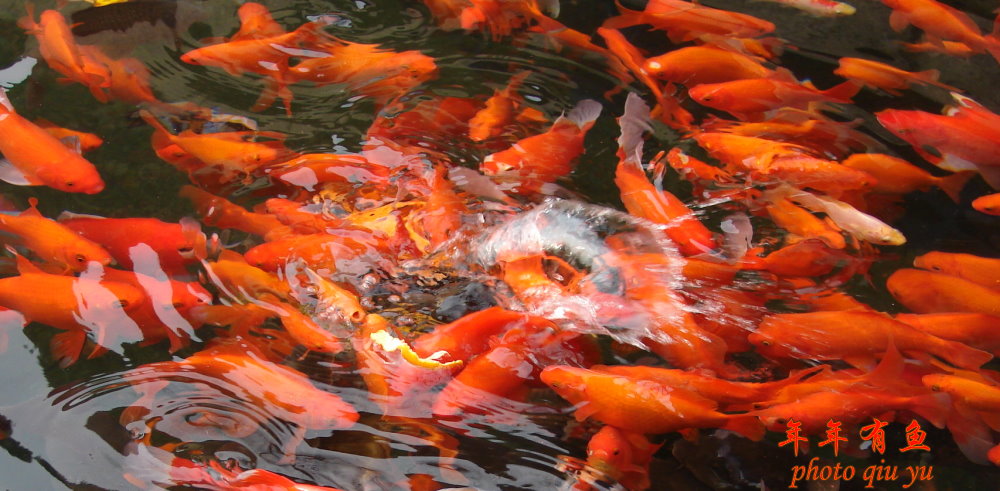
point(843, 92)
point(633, 123)
point(746, 425)
point(952, 185)
point(584, 114)
point(628, 18)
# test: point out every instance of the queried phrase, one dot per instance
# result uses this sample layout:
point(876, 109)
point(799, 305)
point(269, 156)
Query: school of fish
point(637, 322)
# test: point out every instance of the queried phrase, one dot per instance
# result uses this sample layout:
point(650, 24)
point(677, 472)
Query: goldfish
point(819, 8)
point(948, 47)
point(805, 128)
point(79, 306)
point(368, 69)
point(974, 329)
point(684, 21)
point(33, 157)
point(801, 222)
point(128, 78)
point(981, 270)
point(52, 241)
point(963, 139)
point(746, 98)
point(220, 212)
point(972, 393)
point(302, 328)
point(641, 198)
point(641, 406)
point(60, 51)
point(896, 176)
point(941, 22)
point(547, 156)
point(861, 225)
point(239, 280)
point(697, 65)
point(815, 410)
point(989, 204)
point(622, 456)
point(853, 336)
point(927, 292)
point(441, 216)
point(811, 257)
point(166, 309)
point(336, 172)
point(337, 252)
point(175, 246)
point(331, 297)
point(73, 139)
point(499, 110)
point(886, 77)
point(233, 152)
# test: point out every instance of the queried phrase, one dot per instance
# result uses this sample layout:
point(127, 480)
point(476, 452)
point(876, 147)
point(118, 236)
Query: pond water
point(143, 416)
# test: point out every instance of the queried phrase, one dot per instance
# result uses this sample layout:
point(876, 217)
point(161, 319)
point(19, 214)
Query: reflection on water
point(227, 370)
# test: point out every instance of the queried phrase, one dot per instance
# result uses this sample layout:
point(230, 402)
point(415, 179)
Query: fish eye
point(781, 421)
point(936, 388)
point(616, 452)
point(69, 184)
point(80, 258)
point(765, 343)
point(123, 303)
point(185, 249)
point(178, 305)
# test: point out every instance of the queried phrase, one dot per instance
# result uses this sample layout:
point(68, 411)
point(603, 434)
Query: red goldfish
point(622, 456)
point(976, 330)
point(989, 204)
point(642, 406)
point(696, 65)
point(175, 246)
point(897, 176)
point(499, 110)
point(541, 159)
point(34, 157)
point(60, 51)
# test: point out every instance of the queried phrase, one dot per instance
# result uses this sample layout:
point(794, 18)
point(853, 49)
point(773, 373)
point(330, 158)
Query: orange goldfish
point(52, 241)
point(811, 130)
point(468, 335)
point(79, 306)
point(543, 158)
point(233, 152)
point(976, 330)
point(886, 77)
point(441, 216)
point(750, 97)
point(642, 406)
point(220, 212)
point(948, 47)
point(34, 157)
point(815, 410)
point(927, 292)
point(128, 78)
point(60, 51)
point(973, 393)
point(684, 21)
point(897, 176)
point(853, 336)
point(641, 198)
point(802, 223)
point(175, 245)
point(982, 270)
point(941, 22)
point(696, 65)
point(330, 171)
point(989, 204)
point(241, 281)
point(73, 139)
point(302, 328)
point(622, 456)
point(499, 111)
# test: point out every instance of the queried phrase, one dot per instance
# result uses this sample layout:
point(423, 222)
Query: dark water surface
point(64, 423)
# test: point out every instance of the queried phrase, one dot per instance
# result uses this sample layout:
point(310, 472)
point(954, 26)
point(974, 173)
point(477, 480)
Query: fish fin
point(889, 368)
point(991, 175)
point(191, 230)
point(69, 215)
point(66, 347)
point(952, 185)
point(24, 266)
point(962, 355)
point(843, 92)
point(584, 411)
point(898, 20)
point(973, 437)
point(746, 425)
point(530, 115)
point(866, 363)
point(585, 113)
point(932, 407)
point(5, 102)
point(690, 434)
point(72, 142)
point(96, 91)
point(626, 18)
point(155, 123)
point(992, 419)
point(15, 176)
point(634, 122)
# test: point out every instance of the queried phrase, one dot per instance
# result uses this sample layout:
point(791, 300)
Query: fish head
point(569, 382)
point(79, 254)
point(711, 95)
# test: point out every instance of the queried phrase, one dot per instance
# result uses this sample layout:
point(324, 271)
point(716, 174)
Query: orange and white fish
point(33, 157)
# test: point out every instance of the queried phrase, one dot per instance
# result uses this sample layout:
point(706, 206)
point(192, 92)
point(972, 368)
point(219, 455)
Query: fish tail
point(627, 18)
point(932, 407)
point(993, 45)
point(962, 355)
point(931, 77)
point(952, 185)
point(585, 113)
point(843, 92)
point(633, 123)
point(28, 22)
point(746, 425)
